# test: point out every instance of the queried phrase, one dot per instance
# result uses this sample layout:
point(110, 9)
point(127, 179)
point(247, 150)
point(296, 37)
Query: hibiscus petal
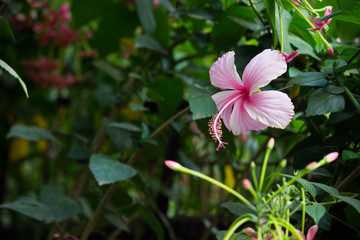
point(240, 120)
point(264, 67)
point(328, 12)
point(223, 73)
point(272, 108)
point(221, 99)
point(312, 232)
point(314, 29)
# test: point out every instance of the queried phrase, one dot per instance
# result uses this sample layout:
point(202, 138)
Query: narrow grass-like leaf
point(5, 66)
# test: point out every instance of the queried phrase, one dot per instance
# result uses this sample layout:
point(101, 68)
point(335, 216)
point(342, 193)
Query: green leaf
point(109, 170)
point(330, 190)
point(94, 9)
point(109, 69)
point(145, 14)
point(304, 47)
point(316, 211)
point(270, 9)
point(11, 71)
point(201, 103)
point(5, 24)
point(310, 79)
point(152, 221)
point(333, 89)
point(286, 20)
point(32, 208)
point(308, 186)
point(62, 207)
point(237, 208)
point(31, 133)
point(117, 222)
point(125, 125)
point(351, 201)
point(120, 136)
point(221, 234)
point(145, 41)
point(107, 37)
point(348, 155)
point(322, 103)
point(224, 39)
point(246, 23)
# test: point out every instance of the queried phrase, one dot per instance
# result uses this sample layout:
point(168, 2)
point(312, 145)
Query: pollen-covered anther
point(215, 131)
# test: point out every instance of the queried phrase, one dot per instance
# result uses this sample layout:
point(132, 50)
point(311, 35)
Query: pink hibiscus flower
point(242, 107)
point(323, 24)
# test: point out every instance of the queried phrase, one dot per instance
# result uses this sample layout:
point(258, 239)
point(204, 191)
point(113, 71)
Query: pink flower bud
point(330, 51)
point(271, 143)
point(331, 157)
point(172, 164)
point(246, 183)
point(311, 166)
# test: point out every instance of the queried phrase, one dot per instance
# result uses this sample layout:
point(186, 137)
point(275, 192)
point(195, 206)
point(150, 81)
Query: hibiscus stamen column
point(215, 124)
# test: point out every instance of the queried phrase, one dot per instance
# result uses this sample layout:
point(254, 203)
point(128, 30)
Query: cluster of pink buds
point(44, 72)
point(54, 27)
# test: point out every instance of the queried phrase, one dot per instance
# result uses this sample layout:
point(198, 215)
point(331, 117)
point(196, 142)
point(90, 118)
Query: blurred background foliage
point(118, 86)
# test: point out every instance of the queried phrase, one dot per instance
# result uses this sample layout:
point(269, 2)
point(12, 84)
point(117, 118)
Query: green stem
point(351, 96)
point(281, 30)
point(213, 181)
point(235, 226)
point(303, 210)
point(353, 56)
point(263, 170)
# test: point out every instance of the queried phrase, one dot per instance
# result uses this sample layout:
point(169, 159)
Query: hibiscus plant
point(115, 87)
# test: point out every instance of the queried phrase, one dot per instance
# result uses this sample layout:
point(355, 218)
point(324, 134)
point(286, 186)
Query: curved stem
point(263, 170)
point(235, 226)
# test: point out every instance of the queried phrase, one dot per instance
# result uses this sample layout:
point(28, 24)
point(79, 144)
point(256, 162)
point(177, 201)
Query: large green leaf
point(322, 103)
point(221, 234)
point(62, 207)
point(109, 69)
point(146, 16)
point(221, 37)
point(307, 186)
point(348, 155)
point(6, 26)
point(31, 133)
point(330, 190)
point(237, 208)
point(108, 170)
point(145, 41)
point(152, 221)
point(316, 211)
point(201, 103)
point(351, 201)
point(310, 79)
point(303, 46)
point(117, 22)
point(120, 136)
point(11, 71)
point(84, 11)
point(32, 208)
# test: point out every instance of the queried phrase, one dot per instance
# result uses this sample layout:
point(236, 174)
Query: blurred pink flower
point(310, 234)
point(243, 108)
point(330, 51)
point(296, 2)
point(291, 56)
point(323, 24)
